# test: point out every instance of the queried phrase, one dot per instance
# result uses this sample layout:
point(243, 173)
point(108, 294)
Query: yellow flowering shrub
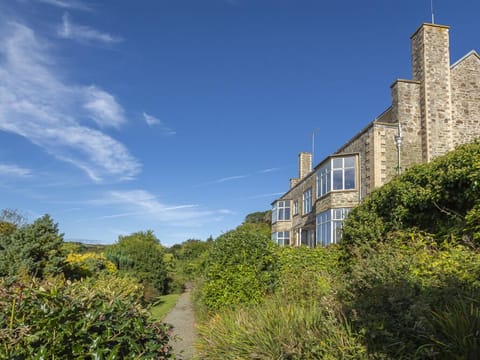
point(88, 264)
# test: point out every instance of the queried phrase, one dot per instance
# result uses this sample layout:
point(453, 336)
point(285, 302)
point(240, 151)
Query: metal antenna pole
point(313, 146)
point(433, 16)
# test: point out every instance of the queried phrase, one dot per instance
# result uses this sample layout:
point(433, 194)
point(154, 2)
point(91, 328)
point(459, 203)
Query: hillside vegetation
point(59, 302)
point(404, 283)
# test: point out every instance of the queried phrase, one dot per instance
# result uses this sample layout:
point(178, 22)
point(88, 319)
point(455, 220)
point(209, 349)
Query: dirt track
point(182, 318)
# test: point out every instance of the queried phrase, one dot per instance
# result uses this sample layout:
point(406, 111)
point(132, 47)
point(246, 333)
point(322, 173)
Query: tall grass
point(279, 330)
point(456, 331)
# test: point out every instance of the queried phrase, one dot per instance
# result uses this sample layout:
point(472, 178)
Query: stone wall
point(363, 145)
point(406, 111)
point(465, 79)
point(431, 67)
point(339, 199)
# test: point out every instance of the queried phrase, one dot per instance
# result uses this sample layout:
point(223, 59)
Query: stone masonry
point(435, 111)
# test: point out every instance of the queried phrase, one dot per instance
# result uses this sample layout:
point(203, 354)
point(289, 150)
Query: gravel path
point(181, 317)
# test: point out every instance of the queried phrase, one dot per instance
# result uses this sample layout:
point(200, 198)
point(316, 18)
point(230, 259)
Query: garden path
point(182, 319)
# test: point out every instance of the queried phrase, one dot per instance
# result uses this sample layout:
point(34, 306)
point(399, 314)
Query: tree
point(10, 220)
point(33, 248)
point(259, 217)
point(141, 255)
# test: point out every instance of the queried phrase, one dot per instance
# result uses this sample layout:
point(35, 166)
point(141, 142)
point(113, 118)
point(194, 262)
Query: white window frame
point(281, 211)
point(326, 175)
point(329, 226)
point(295, 207)
point(307, 201)
point(281, 238)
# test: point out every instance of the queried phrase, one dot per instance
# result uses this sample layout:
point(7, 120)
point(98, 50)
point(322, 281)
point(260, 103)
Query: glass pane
point(337, 180)
point(329, 181)
point(337, 163)
point(337, 214)
point(349, 162)
point(350, 178)
point(287, 214)
point(328, 235)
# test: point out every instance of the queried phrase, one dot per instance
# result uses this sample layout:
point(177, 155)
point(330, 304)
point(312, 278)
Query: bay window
point(337, 174)
point(281, 211)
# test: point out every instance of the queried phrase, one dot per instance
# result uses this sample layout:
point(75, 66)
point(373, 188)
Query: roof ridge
point(471, 52)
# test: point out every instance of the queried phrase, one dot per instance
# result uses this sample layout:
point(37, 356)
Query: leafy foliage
point(306, 275)
point(34, 248)
point(83, 319)
point(440, 197)
point(259, 217)
point(190, 258)
point(394, 292)
point(141, 255)
point(404, 283)
point(88, 264)
point(241, 267)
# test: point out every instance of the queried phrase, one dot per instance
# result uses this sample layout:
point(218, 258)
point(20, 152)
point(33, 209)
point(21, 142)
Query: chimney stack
point(304, 164)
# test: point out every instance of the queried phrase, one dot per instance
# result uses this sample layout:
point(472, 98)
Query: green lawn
point(162, 306)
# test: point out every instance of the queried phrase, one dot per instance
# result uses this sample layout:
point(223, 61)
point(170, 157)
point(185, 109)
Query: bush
point(434, 197)
point(34, 248)
point(306, 274)
point(394, 291)
point(241, 268)
point(87, 264)
point(84, 319)
point(141, 255)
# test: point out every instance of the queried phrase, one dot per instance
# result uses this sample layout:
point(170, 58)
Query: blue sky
point(183, 116)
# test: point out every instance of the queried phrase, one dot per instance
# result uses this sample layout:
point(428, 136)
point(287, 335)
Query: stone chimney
point(304, 164)
point(431, 67)
point(293, 182)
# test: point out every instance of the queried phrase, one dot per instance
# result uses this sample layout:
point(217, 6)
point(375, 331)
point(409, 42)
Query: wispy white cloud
point(266, 195)
point(14, 171)
point(144, 204)
point(67, 4)
point(103, 107)
point(39, 106)
point(84, 34)
point(223, 180)
point(265, 171)
point(153, 121)
point(229, 178)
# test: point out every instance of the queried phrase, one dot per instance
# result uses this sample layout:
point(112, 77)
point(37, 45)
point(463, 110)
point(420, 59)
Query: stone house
point(430, 115)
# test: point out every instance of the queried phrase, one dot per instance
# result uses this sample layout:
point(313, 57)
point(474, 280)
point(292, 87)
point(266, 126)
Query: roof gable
point(463, 58)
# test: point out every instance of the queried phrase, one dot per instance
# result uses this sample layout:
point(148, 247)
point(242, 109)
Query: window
point(329, 226)
point(281, 211)
point(337, 174)
point(295, 207)
point(307, 201)
point(281, 238)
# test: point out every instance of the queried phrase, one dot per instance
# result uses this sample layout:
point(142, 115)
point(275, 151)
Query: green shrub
point(241, 268)
point(87, 264)
point(396, 286)
point(84, 319)
point(306, 274)
point(141, 255)
point(34, 248)
point(434, 197)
